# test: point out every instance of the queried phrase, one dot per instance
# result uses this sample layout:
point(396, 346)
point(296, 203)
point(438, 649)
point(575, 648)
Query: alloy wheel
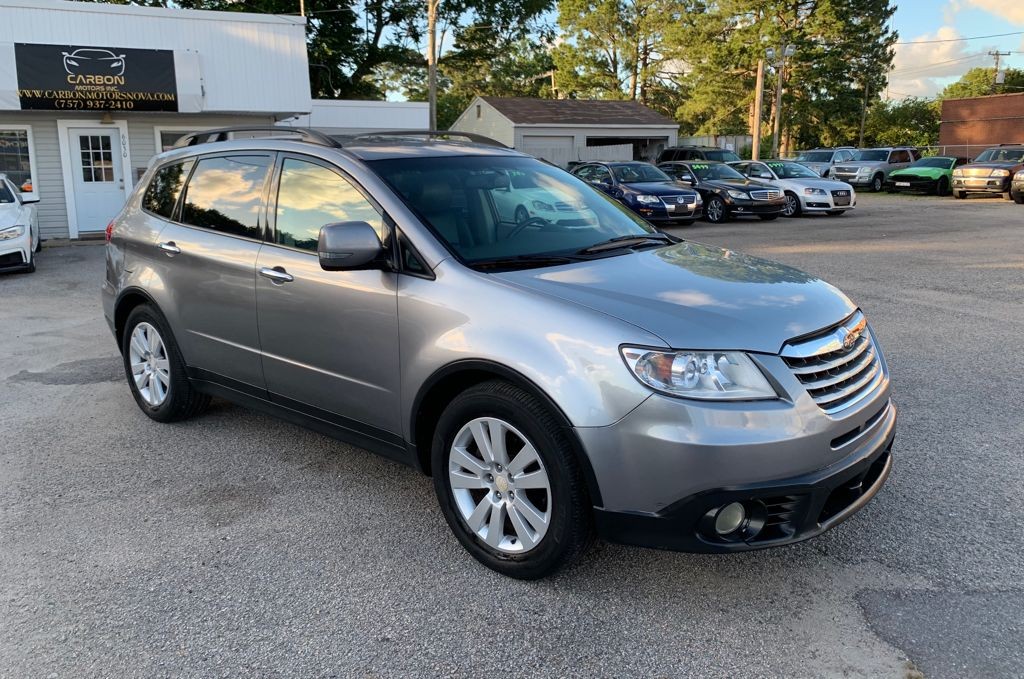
point(715, 210)
point(789, 209)
point(151, 370)
point(500, 486)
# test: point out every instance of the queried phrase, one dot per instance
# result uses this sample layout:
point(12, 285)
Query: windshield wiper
point(520, 262)
point(629, 241)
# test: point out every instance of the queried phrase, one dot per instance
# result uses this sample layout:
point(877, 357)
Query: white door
point(98, 176)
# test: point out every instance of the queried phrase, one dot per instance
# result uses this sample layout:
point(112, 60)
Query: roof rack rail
point(428, 134)
point(222, 134)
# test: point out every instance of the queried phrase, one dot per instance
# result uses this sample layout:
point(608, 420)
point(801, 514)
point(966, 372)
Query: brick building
point(969, 126)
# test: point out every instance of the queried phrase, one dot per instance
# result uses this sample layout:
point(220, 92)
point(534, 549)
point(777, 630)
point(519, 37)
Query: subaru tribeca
point(558, 381)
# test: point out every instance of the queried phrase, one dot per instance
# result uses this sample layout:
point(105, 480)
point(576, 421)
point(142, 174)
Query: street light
point(778, 58)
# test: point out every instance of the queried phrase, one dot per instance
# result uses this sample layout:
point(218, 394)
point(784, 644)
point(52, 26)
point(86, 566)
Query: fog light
point(730, 518)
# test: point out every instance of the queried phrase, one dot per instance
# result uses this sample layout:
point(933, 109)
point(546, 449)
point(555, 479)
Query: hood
point(659, 188)
point(862, 163)
point(994, 165)
point(807, 182)
point(695, 296)
point(920, 171)
point(741, 184)
point(9, 214)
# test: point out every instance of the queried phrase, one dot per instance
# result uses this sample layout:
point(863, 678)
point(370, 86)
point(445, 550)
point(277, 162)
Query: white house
point(90, 92)
point(335, 116)
point(564, 130)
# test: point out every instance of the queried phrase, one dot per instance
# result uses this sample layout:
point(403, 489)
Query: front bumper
point(661, 214)
point(827, 203)
point(15, 254)
point(981, 184)
point(755, 207)
point(912, 184)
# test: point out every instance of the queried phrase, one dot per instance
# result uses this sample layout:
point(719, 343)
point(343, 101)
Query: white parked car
point(523, 199)
point(19, 229)
point(804, 190)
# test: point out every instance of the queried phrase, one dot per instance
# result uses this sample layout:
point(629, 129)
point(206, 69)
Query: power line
point(973, 37)
point(928, 67)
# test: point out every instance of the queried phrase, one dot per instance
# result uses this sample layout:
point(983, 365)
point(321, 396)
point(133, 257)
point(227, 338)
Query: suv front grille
point(838, 367)
point(770, 194)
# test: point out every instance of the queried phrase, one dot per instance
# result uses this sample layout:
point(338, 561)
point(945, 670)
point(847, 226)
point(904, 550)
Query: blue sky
point(922, 69)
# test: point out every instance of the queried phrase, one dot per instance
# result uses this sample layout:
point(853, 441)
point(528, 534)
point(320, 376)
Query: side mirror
point(349, 246)
point(29, 201)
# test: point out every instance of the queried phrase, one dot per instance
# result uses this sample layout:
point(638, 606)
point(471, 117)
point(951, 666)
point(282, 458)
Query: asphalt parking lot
point(238, 545)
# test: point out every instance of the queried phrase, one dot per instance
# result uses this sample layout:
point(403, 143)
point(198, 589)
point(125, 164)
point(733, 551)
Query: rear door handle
point(276, 275)
point(170, 248)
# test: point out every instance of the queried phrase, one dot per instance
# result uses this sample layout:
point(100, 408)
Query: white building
point(90, 92)
point(335, 116)
point(564, 130)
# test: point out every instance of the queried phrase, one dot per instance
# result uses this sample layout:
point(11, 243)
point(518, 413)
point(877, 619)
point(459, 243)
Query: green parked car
point(927, 175)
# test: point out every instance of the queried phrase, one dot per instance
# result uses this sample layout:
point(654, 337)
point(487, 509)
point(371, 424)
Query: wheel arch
point(128, 299)
point(447, 382)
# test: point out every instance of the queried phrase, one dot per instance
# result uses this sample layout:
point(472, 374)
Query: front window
point(17, 160)
point(997, 155)
point(499, 207)
point(877, 155)
point(939, 162)
point(705, 171)
point(815, 157)
point(639, 172)
point(788, 170)
point(721, 156)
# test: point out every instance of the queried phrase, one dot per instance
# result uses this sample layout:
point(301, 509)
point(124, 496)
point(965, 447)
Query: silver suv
point(559, 380)
point(871, 167)
point(821, 161)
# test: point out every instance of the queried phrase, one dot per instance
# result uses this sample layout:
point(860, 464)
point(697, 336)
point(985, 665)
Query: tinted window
point(310, 196)
point(225, 194)
point(723, 156)
point(900, 157)
point(816, 157)
point(162, 193)
point(639, 172)
point(872, 155)
point(1001, 155)
point(5, 194)
point(715, 171)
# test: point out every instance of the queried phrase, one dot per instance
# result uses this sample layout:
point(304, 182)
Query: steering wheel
point(539, 222)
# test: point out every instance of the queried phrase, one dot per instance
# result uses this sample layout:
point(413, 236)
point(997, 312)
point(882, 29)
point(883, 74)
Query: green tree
point(911, 121)
point(979, 82)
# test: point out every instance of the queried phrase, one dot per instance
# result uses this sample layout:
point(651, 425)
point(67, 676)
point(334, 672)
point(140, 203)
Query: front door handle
point(170, 248)
point(276, 275)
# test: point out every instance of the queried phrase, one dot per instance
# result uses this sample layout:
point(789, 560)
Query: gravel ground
point(237, 545)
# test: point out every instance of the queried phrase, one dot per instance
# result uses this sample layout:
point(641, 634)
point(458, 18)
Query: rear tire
point(942, 187)
point(158, 357)
point(493, 495)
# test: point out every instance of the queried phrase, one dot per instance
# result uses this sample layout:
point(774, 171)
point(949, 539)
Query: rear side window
point(162, 193)
point(225, 194)
point(311, 196)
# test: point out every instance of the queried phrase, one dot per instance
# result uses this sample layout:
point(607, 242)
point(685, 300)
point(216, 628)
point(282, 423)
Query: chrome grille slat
point(836, 372)
point(765, 194)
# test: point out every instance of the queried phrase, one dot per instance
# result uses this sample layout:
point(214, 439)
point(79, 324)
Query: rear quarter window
point(162, 193)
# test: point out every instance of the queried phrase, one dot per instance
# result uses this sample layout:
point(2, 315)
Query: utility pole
point(780, 72)
point(755, 154)
point(863, 114)
point(995, 78)
point(302, 8)
point(432, 6)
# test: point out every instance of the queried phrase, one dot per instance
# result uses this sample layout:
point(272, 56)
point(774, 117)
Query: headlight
point(648, 200)
point(698, 200)
point(1019, 176)
point(541, 205)
point(958, 172)
point(863, 170)
point(12, 233)
point(814, 192)
point(710, 375)
point(739, 195)
point(999, 173)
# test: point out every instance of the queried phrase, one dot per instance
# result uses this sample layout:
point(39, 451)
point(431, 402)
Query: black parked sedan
point(645, 190)
point(726, 192)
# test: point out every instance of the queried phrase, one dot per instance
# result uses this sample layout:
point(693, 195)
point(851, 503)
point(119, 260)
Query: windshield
point(723, 156)
point(872, 154)
point(1001, 156)
point(716, 171)
point(497, 207)
point(639, 172)
point(787, 170)
point(937, 161)
point(815, 157)
point(5, 193)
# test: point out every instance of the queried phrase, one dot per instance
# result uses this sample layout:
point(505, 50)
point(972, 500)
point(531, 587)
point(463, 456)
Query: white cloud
point(1011, 11)
point(921, 68)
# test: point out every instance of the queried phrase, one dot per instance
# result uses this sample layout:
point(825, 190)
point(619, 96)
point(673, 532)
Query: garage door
point(557, 150)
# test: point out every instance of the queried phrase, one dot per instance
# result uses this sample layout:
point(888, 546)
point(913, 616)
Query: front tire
point(508, 482)
point(942, 187)
point(155, 369)
point(1019, 199)
point(792, 206)
point(876, 183)
point(716, 211)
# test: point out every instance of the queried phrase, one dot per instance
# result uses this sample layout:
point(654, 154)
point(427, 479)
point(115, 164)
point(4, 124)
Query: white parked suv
point(803, 190)
point(19, 229)
point(871, 167)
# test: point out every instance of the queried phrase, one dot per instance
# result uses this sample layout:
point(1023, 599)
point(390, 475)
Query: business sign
point(75, 78)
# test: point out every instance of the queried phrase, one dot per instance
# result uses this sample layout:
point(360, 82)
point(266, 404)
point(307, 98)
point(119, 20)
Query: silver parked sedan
point(559, 380)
